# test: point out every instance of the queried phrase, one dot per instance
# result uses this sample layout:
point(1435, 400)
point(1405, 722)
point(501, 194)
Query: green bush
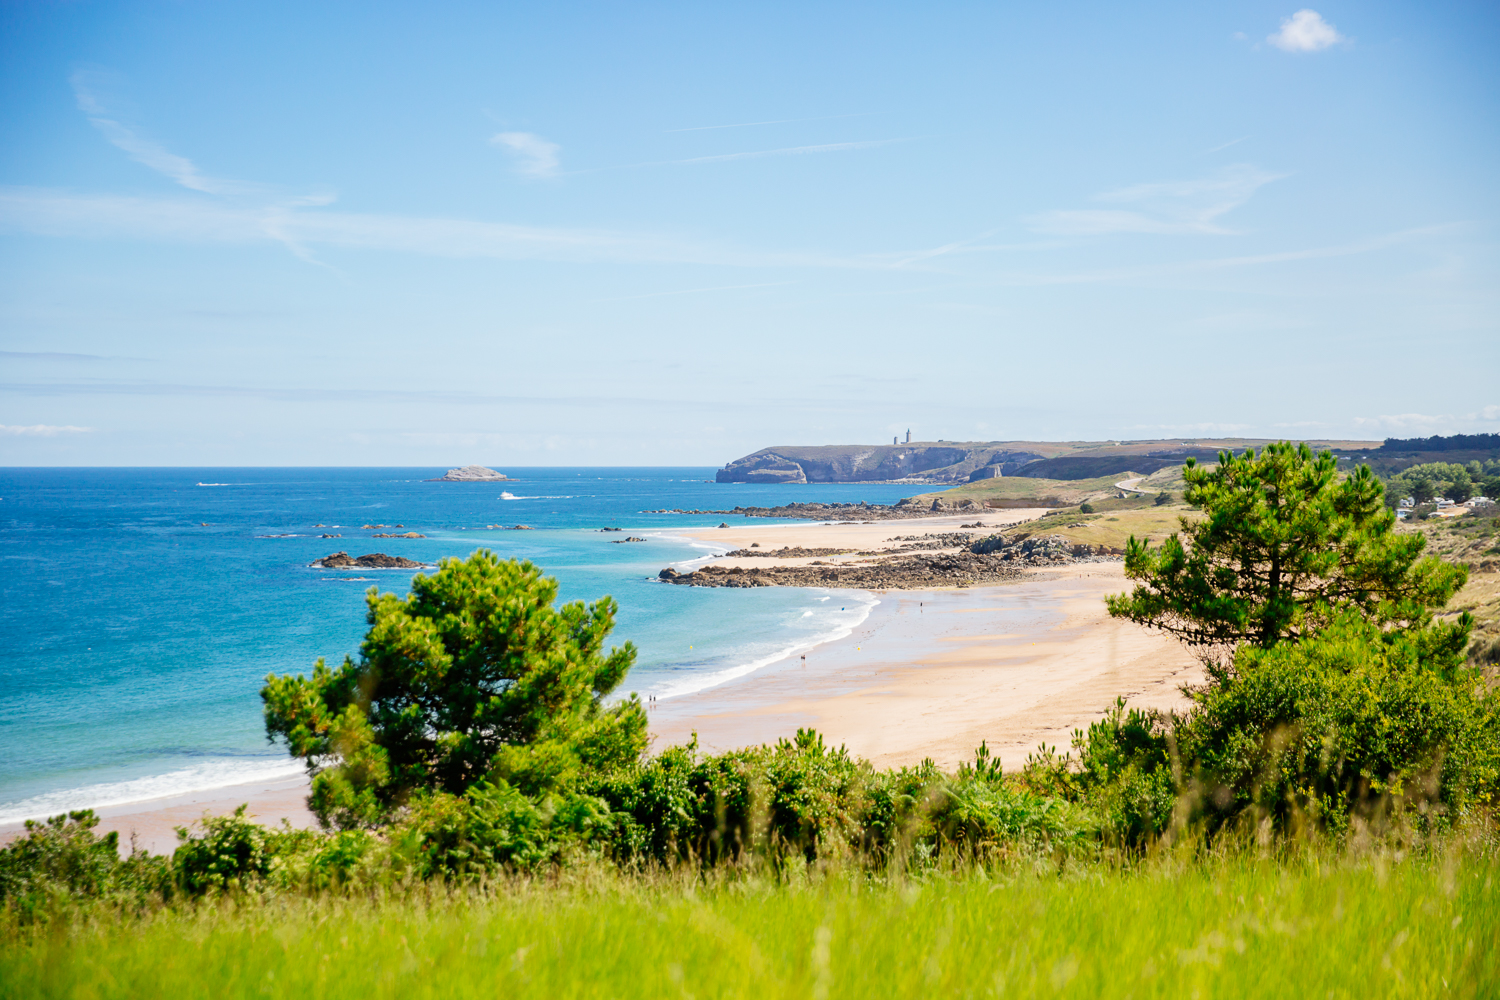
point(1351, 726)
point(62, 859)
point(1085, 508)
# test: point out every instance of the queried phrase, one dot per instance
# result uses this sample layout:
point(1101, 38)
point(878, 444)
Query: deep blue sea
point(144, 607)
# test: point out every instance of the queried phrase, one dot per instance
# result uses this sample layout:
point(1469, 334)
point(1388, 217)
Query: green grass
point(1311, 927)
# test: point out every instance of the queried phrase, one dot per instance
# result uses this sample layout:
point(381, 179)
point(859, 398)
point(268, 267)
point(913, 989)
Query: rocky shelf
point(785, 552)
point(989, 560)
point(374, 560)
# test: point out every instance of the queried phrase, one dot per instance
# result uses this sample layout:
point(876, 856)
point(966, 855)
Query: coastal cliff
point(929, 463)
point(972, 461)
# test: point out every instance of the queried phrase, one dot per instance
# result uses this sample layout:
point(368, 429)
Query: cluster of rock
point(785, 552)
point(1042, 550)
point(409, 534)
point(977, 562)
point(374, 560)
point(471, 474)
point(622, 541)
point(510, 527)
point(902, 510)
point(961, 569)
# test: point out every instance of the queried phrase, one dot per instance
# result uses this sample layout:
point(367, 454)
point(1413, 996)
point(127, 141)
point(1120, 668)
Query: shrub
point(63, 859)
point(1354, 725)
point(1085, 508)
point(474, 678)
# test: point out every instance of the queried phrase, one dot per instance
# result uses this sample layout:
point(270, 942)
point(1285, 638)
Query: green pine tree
point(1284, 545)
point(475, 676)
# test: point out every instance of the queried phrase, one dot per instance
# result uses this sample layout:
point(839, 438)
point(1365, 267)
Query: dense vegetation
point(1428, 481)
point(1453, 442)
point(472, 750)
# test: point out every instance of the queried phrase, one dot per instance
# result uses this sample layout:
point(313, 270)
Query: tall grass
point(1315, 925)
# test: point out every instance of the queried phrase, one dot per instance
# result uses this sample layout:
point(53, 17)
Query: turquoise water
point(144, 607)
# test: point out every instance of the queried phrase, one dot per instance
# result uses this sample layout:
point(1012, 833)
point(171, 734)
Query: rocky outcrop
point(375, 560)
point(471, 474)
point(989, 560)
point(785, 552)
point(622, 541)
point(409, 534)
point(848, 511)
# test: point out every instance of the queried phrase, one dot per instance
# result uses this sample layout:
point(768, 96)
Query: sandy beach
point(932, 673)
point(927, 674)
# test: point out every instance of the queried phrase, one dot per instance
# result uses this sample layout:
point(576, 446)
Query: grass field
point(1020, 491)
point(1378, 927)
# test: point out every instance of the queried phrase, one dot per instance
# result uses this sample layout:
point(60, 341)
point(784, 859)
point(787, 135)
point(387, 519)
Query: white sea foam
point(859, 605)
point(513, 496)
point(198, 778)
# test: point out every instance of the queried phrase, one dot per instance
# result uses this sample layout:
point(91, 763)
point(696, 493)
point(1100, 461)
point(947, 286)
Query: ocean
point(145, 607)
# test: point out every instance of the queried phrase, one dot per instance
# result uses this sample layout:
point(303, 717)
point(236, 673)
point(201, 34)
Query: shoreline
point(926, 673)
point(934, 673)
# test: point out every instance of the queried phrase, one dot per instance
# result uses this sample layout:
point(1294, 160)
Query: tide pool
point(144, 607)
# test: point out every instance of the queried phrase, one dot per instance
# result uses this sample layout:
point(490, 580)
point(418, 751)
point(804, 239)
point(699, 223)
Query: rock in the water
point(374, 560)
point(409, 534)
point(471, 474)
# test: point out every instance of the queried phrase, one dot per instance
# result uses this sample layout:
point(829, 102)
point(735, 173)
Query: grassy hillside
point(1312, 926)
point(1023, 491)
point(1474, 541)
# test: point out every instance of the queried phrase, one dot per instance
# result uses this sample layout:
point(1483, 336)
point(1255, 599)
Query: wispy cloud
point(533, 155)
point(777, 121)
point(40, 430)
point(1153, 271)
point(1173, 207)
point(63, 356)
point(829, 147)
point(1430, 423)
point(62, 214)
point(1224, 145)
point(1305, 31)
point(694, 291)
point(275, 205)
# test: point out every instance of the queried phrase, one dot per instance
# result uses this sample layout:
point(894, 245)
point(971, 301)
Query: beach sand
point(153, 823)
point(932, 673)
point(927, 674)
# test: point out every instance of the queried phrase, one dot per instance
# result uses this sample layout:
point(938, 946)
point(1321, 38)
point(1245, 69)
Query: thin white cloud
point(63, 214)
point(1173, 207)
point(534, 156)
point(40, 430)
point(1305, 31)
point(142, 150)
point(829, 147)
point(778, 121)
point(1152, 271)
point(1429, 423)
point(1224, 145)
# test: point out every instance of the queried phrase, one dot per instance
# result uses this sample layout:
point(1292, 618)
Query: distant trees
point(1426, 482)
point(1283, 548)
point(473, 678)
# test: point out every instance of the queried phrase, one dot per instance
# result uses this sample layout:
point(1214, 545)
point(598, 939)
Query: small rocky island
point(374, 560)
point(471, 474)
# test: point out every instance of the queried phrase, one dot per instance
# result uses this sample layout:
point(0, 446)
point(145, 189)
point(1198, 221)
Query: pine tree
point(1283, 546)
point(473, 676)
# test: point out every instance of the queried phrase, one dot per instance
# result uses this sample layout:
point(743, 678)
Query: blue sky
point(635, 234)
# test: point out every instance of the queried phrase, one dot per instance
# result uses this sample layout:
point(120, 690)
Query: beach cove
point(926, 673)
